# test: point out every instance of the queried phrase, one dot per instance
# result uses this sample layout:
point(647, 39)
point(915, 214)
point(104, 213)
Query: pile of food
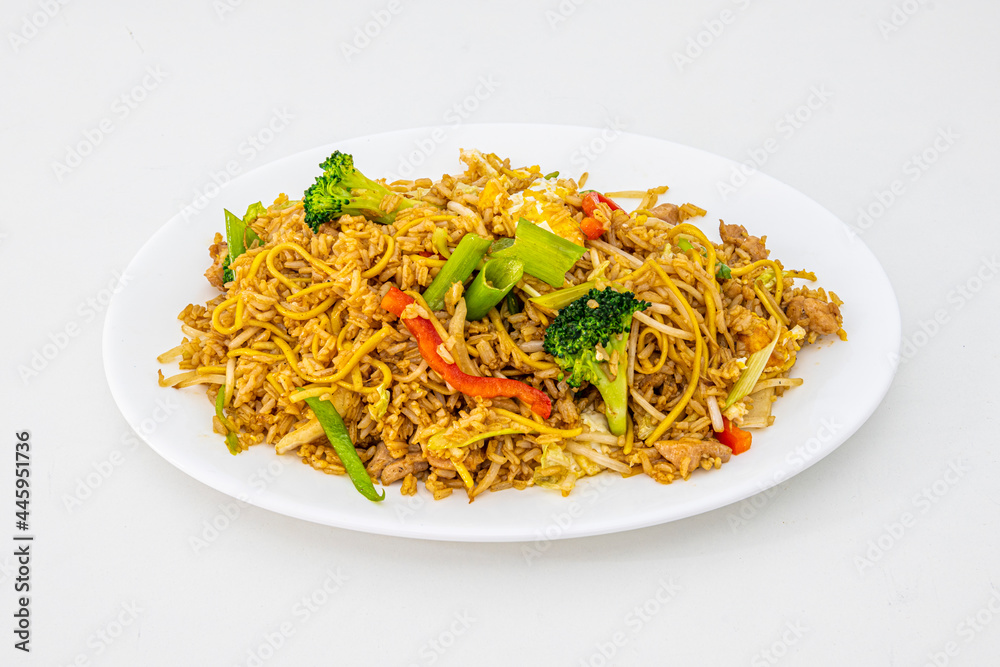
point(495, 329)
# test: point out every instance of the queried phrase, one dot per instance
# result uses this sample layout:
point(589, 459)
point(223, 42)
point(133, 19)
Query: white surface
point(844, 383)
point(915, 490)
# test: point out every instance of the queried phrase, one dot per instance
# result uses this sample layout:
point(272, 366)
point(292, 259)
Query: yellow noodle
point(382, 263)
point(288, 245)
point(237, 318)
point(778, 280)
point(629, 437)
point(535, 426)
point(685, 228)
point(695, 367)
point(270, 327)
point(768, 303)
point(256, 354)
point(309, 314)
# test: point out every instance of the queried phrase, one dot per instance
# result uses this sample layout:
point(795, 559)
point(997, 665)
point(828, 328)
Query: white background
point(877, 555)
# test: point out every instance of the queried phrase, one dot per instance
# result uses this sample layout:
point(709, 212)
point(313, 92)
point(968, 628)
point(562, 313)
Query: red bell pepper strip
point(591, 199)
point(734, 437)
point(591, 228)
point(428, 340)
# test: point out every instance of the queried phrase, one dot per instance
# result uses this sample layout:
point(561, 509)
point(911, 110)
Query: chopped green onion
point(239, 236)
point(546, 256)
point(440, 240)
point(563, 297)
point(232, 442)
point(491, 285)
point(756, 363)
point(340, 439)
point(513, 303)
point(457, 269)
point(685, 245)
point(554, 174)
point(526, 287)
point(723, 272)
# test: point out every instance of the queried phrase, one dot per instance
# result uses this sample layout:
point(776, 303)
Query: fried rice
point(303, 311)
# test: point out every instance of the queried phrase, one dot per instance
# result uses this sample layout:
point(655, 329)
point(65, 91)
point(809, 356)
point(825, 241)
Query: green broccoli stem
point(615, 392)
point(367, 195)
point(368, 205)
point(352, 179)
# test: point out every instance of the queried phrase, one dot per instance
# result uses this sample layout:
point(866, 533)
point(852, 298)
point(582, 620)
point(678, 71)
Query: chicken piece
point(814, 315)
point(218, 252)
point(667, 212)
point(692, 451)
point(400, 468)
point(379, 461)
point(737, 235)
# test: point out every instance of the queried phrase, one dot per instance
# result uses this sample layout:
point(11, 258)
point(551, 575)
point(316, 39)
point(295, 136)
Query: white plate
point(844, 382)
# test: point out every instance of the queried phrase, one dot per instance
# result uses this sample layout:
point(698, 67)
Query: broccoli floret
point(598, 321)
point(342, 189)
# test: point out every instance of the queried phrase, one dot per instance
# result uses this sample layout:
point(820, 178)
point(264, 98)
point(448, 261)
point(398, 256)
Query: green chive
point(491, 285)
point(340, 439)
point(546, 256)
point(685, 245)
point(513, 303)
point(457, 269)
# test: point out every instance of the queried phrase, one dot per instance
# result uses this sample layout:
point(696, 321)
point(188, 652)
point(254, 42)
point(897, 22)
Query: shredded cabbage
point(379, 408)
point(553, 456)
